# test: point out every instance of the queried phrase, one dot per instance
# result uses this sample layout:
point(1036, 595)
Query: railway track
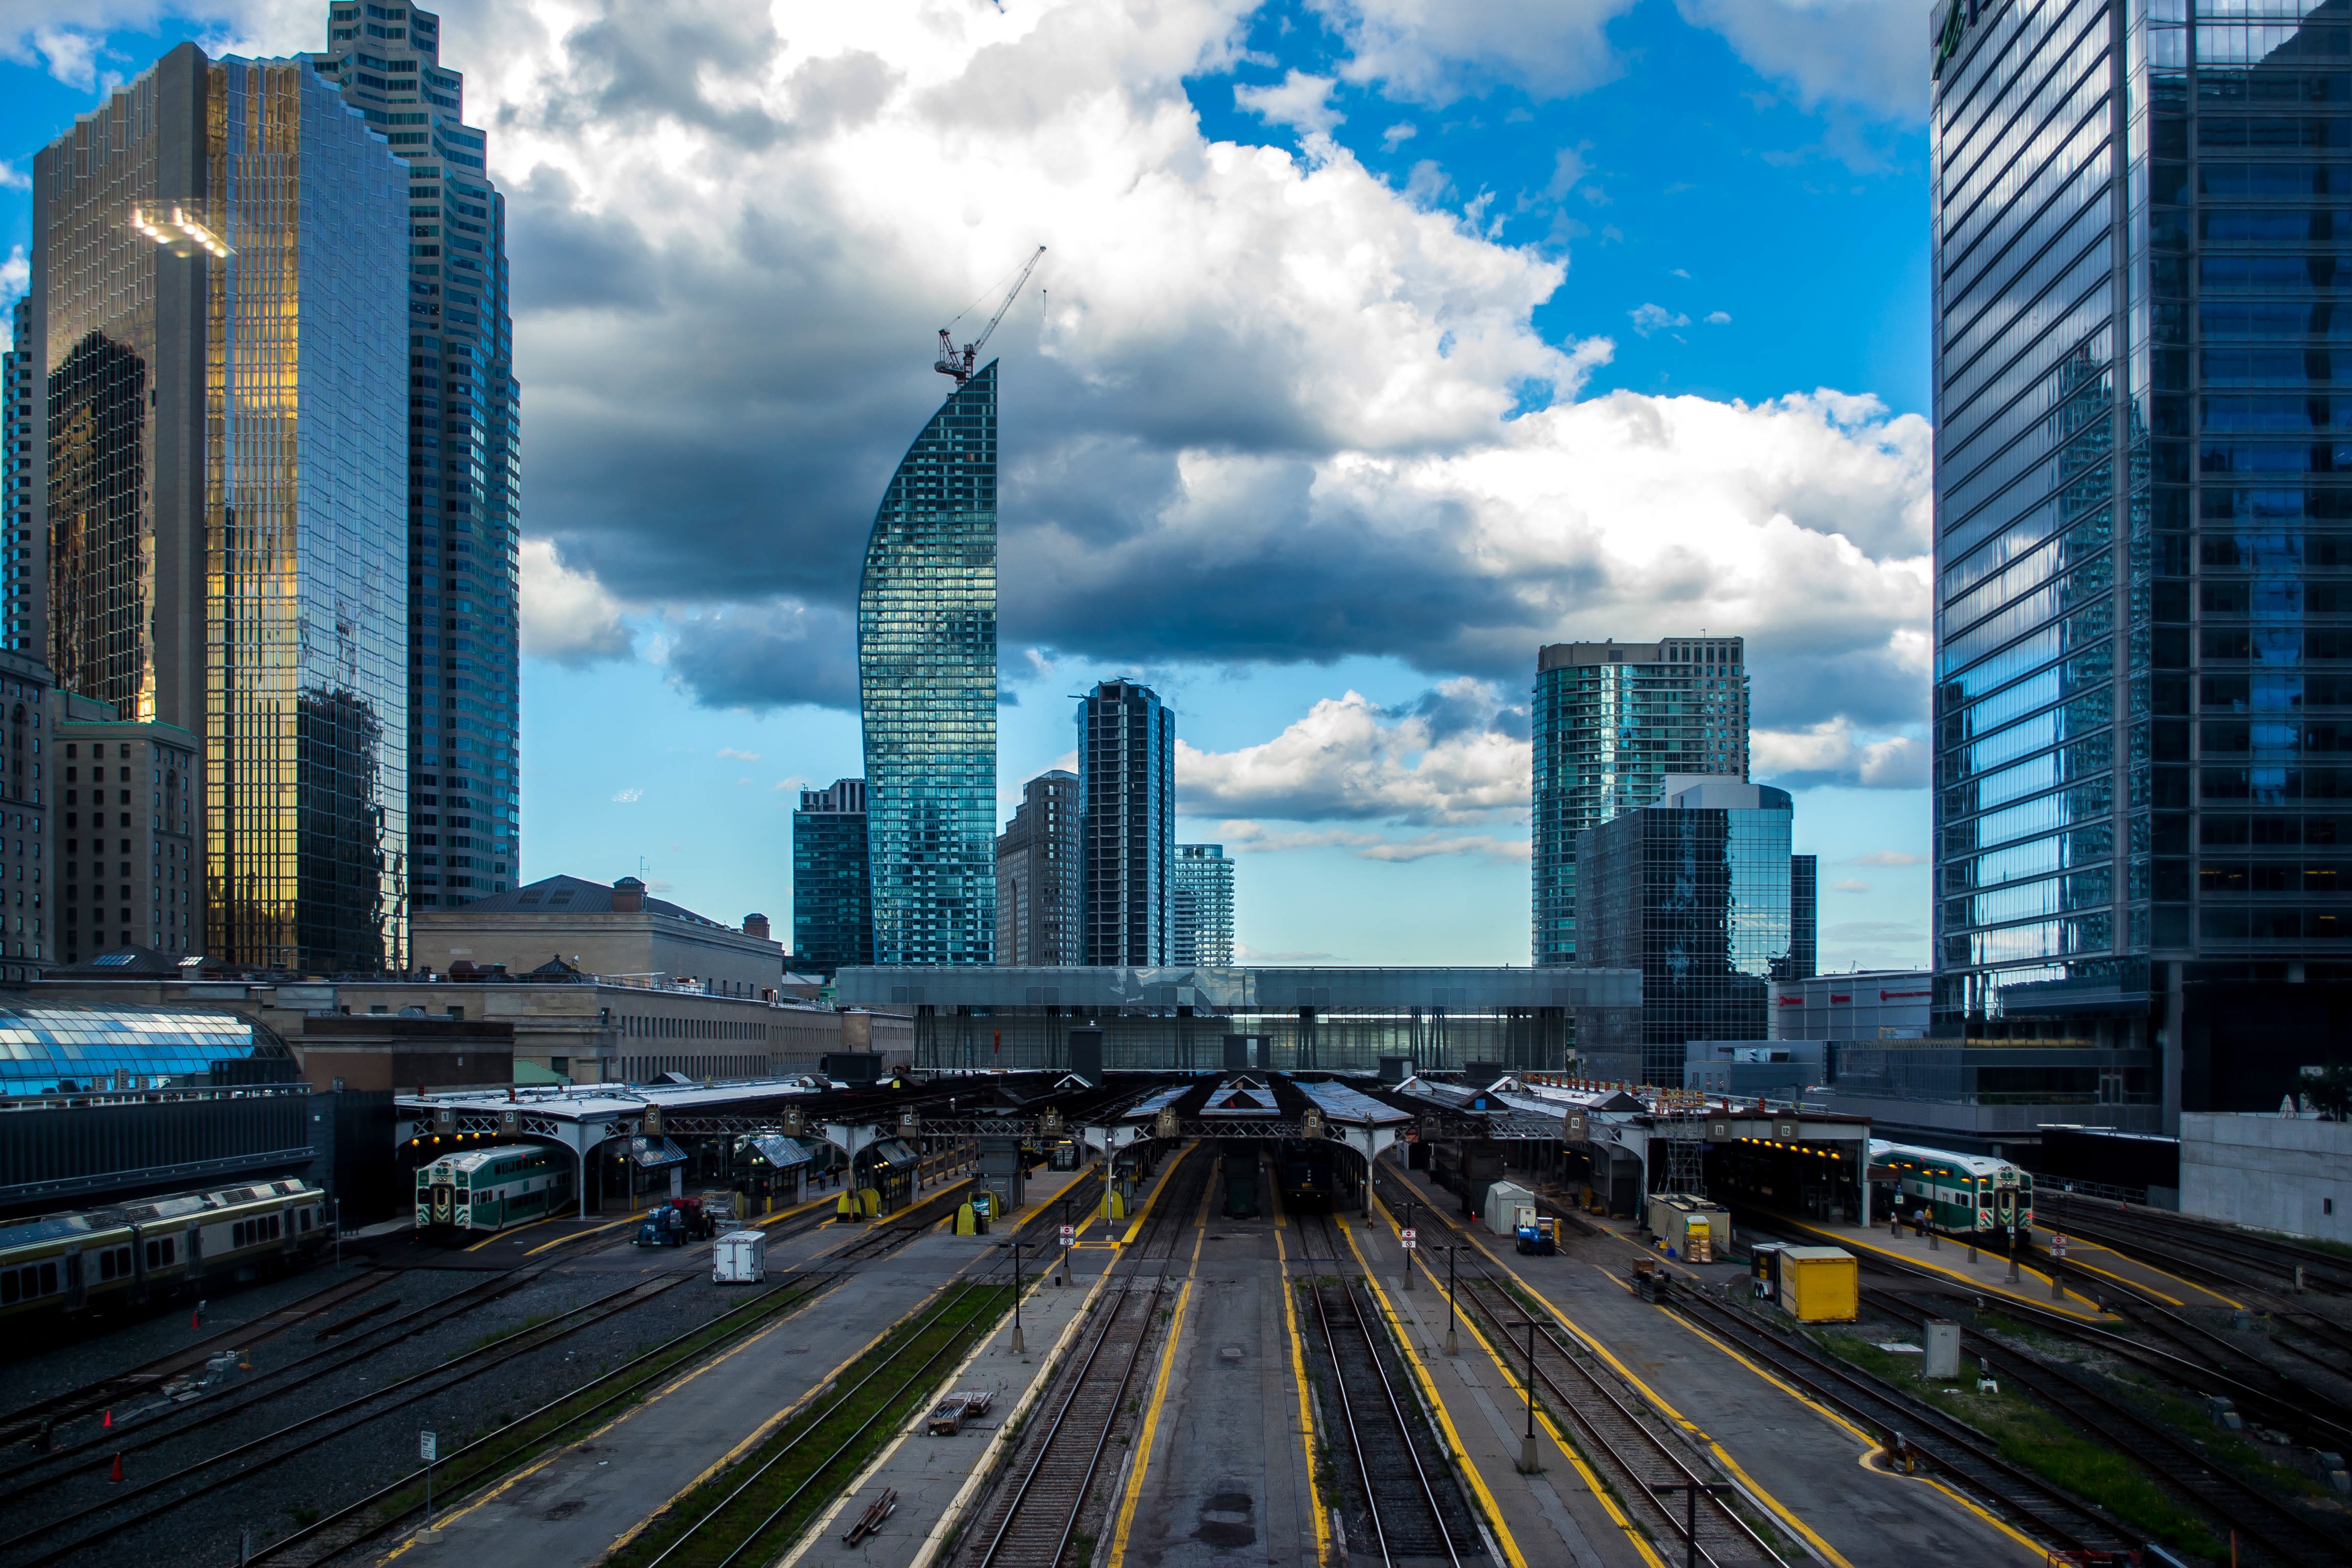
point(388, 1508)
point(1649, 1468)
point(74, 1531)
point(2242, 1510)
point(1031, 1523)
point(2203, 1251)
point(1180, 1188)
point(1408, 1499)
point(1319, 1237)
point(42, 1416)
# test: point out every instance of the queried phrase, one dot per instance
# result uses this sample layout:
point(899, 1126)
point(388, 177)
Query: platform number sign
point(1571, 1126)
point(1167, 1123)
point(1069, 1236)
point(653, 1122)
point(792, 1122)
point(1409, 1239)
point(428, 1446)
point(509, 1123)
point(1312, 1126)
point(2057, 1245)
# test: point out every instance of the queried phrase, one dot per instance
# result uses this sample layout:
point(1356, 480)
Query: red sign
point(1409, 1239)
point(1069, 1236)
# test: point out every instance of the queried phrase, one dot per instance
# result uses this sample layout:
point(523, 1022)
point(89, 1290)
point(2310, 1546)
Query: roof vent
point(628, 896)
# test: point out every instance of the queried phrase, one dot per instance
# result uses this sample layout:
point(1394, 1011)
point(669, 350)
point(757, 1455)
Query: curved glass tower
point(927, 690)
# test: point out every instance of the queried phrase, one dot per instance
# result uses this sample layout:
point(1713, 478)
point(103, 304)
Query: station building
point(618, 930)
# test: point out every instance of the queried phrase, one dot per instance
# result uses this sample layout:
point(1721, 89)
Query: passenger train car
point(1963, 1193)
point(484, 1189)
point(1308, 1179)
point(128, 1253)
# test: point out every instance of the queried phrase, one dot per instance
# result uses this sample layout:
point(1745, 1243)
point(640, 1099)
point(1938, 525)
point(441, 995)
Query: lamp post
point(1409, 1207)
point(1528, 1464)
point(1453, 1299)
point(1018, 1347)
point(1690, 1490)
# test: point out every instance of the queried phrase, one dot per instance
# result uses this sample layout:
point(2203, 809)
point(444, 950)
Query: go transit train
point(130, 1252)
point(483, 1190)
point(1963, 1193)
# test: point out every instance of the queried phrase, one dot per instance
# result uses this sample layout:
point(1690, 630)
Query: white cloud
point(67, 38)
point(567, 616)
point(1402, 131)
point(1829, 752)
point(1241, 836)
point(628, 796)
point(1850, 885)
point(12, 178)
point(731, 752)
point(1864, 52)
point(1718, 318)
point(1888, 857)
point(1435, 51)
point(1300, 101)
point(1443, 761)
point(1648, 319)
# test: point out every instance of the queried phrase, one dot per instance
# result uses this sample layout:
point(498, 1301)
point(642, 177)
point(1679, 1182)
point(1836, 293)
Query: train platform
point(1806, 1467)
point(933, 1478)
point(1987, 1275)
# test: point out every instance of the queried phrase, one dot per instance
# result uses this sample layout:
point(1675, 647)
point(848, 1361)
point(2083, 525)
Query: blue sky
point(1380, 344)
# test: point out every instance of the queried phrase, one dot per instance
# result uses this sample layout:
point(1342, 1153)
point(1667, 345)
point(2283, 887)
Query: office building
point(28, 864)
point(1202, 905)
point(615, 931)
point(833, 912)
point(1127, 824)
point(464, 458)
point(1694, 892)
point(1804, 917)
point(1612, 721)
point(927, 690)
point(2141, 504)
point(24, 458)
point(218, 266)
point(1037, 874)
point(127, 834)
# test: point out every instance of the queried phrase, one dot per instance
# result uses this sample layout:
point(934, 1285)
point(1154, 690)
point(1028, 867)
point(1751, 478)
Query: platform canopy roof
point(67, 1047)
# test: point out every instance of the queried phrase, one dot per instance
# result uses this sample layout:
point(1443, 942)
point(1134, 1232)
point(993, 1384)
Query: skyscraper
point(2141, 505)
point(1804, 918)
point(927, 690)
point(1202, 904)
point(23, 458)
point(1126, 822)
point(1611, 720)
point(1037, 874)
point(464, 458)
point(833, 912)
point(217, 329)
point(1694, 892)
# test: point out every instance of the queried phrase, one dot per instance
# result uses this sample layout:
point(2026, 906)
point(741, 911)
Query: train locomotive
point(478, 1192)
point(1972, 1196)
point(129, 1253)
point(1309, 1179)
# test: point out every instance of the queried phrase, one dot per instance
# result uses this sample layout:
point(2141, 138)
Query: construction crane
point(959, 362)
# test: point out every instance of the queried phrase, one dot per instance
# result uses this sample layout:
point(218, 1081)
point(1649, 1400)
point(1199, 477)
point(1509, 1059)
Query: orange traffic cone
point(116, 1474)
point(195, 1320)
point(109, 1422)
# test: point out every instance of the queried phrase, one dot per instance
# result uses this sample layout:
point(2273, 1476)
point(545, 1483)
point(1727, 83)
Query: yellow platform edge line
point(1150, 1429)
point(1316, 1505)
point(1159, 1190)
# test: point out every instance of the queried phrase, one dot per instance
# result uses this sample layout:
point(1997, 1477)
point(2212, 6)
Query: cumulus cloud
point(1718, 318)
point(733, 753)
point(1850, 885)
point(1239, 835)
point(1888, 857)
point(1435, 51)
point(67, 38)
point(1451, 757)
point(1829, 752)
point(762, 657)
point(567, 616)
point(1862, 52)
point(1300, 101)
point(1648, 319)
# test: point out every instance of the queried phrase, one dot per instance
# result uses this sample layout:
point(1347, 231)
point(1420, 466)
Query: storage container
point(740, 1257)
point(1811, 1284)
point(1504, 1202)
point(1696, 1229)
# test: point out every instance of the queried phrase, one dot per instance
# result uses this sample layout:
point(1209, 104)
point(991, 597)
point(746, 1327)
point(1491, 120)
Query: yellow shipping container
point(1820, 1284)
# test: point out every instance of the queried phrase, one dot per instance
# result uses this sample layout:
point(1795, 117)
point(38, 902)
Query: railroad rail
point(1181, 1187)
point(1032, 1522)
point(40, 1418)
point(255, 1455)
point(1644, 1465)
point(2246, 1512)
point(2218, 1254)
point(1407, 1518)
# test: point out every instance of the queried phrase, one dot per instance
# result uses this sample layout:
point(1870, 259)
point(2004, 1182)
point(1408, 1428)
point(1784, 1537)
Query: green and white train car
point(480, 1191)
point(132, 1252)
point(1963, 1195)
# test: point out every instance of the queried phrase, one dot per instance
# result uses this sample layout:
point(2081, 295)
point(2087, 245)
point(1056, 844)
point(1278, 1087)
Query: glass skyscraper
point(216, 325)
point(1694, 893)
point(1204, 907)
point(23, 456)
point(2143, 502)
point(1037, 874)
point(465, 455)
point(1612, 721)
point(833, 912)
point(1127, 824)
point(927, 690)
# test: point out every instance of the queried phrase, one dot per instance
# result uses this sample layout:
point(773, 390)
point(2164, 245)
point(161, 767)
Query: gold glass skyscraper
point(217, 281)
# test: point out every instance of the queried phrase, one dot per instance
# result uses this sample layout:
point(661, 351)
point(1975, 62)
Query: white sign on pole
point(427, 1446)
point(1069, 1236)
point(1410, 1238)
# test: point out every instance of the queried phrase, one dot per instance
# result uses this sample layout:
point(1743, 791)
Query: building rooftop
point(571, 896)
point(67, 1047)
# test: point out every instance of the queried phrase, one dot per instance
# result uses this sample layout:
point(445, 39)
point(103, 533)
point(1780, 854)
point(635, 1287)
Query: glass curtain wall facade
point(22, 455)
point(216, 305)
point(1127, 824)
point(1612, 721)
point(2141, 512)
point(1203, 903)
point(927, 690)
point(465, 455)
point(1037, 874)
point(832, 914)
point(1804, 916)
point(1698, 899)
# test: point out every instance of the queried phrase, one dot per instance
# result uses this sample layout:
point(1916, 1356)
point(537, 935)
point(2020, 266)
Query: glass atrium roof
point(65, 1049)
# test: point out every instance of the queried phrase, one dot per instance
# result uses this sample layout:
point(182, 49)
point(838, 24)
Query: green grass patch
point(2030, 1437)
point(765, 1500)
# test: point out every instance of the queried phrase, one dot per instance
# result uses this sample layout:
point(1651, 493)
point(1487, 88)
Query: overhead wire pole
point(959, 363)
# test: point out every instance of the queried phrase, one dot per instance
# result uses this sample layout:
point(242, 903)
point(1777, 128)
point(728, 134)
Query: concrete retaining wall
point(2268, 1170)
